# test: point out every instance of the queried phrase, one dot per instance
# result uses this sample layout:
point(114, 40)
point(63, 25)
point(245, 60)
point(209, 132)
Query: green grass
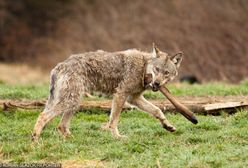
point(217, 141)
point(210, 89)
point(23, 91)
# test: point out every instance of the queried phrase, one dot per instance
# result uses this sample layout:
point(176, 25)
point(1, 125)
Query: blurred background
point(36, 35)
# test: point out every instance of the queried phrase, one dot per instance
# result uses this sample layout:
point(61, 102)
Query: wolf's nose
point(156, 83)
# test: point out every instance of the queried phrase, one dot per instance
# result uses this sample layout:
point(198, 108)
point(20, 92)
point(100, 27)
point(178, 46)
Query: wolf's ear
point(155, 51)
point(177, 59)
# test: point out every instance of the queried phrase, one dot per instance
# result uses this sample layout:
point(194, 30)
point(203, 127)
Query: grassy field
point(217, 141)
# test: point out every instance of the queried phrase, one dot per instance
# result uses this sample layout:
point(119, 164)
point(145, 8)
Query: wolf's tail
point(51, 98)
point(52, 85)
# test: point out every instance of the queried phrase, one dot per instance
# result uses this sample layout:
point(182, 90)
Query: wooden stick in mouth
point(180, 107)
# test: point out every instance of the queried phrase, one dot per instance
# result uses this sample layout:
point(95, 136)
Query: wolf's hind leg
point(146, 106)
point(70, 106)
point(64, 124)
point(65, 102)
point(46, 116)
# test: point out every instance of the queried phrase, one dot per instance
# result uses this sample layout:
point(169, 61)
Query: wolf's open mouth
point(148, 80)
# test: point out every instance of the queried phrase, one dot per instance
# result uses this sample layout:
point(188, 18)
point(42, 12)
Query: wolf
point(120, 73)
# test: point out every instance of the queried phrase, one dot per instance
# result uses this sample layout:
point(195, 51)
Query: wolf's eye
point(157, 69)
point(166, 73)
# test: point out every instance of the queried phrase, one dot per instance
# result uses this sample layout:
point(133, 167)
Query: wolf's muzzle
point(155, 86)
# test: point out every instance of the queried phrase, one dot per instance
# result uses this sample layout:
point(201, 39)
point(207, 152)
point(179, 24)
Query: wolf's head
point(162, 68)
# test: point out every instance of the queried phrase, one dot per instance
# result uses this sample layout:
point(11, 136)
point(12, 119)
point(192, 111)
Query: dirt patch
point(82, 164)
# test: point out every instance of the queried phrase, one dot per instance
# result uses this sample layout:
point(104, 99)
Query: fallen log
point(196, 105)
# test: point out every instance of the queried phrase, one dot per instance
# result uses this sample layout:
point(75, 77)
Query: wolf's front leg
point(117, 104)
point(146, 106)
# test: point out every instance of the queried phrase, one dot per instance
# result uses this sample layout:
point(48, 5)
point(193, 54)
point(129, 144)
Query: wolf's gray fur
point(120, 73)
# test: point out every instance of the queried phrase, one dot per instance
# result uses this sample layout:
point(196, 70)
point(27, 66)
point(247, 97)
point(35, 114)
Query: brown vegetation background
point(212, 34)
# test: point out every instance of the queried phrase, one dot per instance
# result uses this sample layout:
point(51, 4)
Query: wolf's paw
point(117, 135)
point(105, 126)
point(34, 137)
point(120, 137)
point(113, 130)
point(64, 131)
point(169, 128)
